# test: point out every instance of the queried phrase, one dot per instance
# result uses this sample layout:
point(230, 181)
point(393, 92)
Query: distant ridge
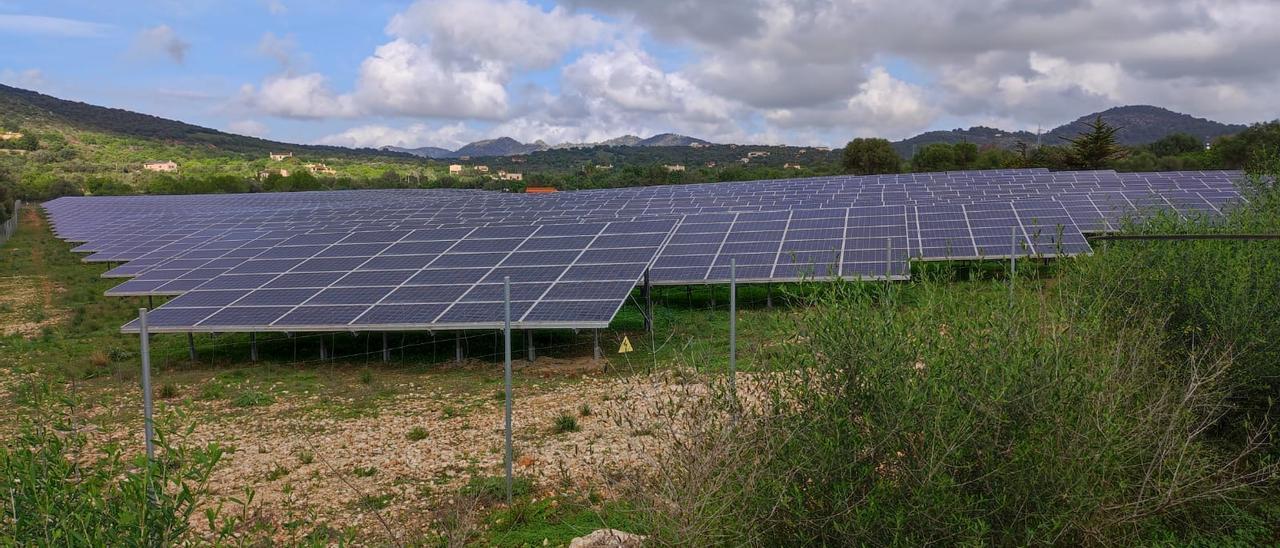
point(35, 108)
point(1139, 125)
point(506, 146)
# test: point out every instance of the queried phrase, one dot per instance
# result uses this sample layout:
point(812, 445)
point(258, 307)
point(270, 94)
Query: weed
point(99, 358)
point(253, 398)
point(417, 433)
point(565, 423)
point(366, 376)
point(168, 391)
point(364, 472)
point(450, 412)
point(306, 457)
point(374, 502)
point(491, 489)
point(277, 472)
point(584, 410)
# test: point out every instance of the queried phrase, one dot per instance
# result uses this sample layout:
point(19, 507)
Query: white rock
point(608, 538)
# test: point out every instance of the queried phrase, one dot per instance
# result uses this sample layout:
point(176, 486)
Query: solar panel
point(578, 283)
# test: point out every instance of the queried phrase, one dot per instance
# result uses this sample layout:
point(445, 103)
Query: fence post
point(648, 303)
point(1013, 260)
point(148, 433)
point(506, 379)
point(733, 331)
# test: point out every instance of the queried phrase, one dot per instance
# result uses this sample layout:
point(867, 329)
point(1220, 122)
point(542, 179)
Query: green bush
point(960, 418)
point(57, 494)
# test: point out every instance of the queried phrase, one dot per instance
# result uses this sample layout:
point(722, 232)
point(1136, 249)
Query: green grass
point(564, 423)
point(556, 521)
point(417, 433)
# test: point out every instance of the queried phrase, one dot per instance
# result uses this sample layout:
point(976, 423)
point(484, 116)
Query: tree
point(1096, 148)
point(1235, 152)
point(934, 157)
point(1175, 144)
point(871, 157)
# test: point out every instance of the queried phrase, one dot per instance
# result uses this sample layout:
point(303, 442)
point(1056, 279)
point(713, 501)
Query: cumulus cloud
point(282, 49)
point(404, 78)
point(248, 127)
point(161, 41)
point(301, 96)
point(883, 106)
point(415, 135)
point(507, 31)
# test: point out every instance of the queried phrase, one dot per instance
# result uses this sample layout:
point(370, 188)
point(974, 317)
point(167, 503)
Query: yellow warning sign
point(626, 346)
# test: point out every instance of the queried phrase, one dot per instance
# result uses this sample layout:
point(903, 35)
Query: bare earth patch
point(26, 305)
point(308, 467)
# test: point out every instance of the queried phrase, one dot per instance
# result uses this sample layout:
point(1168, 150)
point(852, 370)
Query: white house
point(280, 156)
point(455, 169)
point(167, 167)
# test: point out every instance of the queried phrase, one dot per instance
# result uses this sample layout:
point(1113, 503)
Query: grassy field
point(357, 450)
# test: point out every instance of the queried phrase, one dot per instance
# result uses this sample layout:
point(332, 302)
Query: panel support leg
point(191, 346)
point(768, 296)
point(386, 348)
point(648, 302)
point(457, 347)
point(688, 291)
point(595, 344)
point(150, 302)
point(253, 347)
point(324, 349)
point(528, 343)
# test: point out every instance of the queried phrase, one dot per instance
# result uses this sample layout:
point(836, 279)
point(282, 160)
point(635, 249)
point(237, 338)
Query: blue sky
point(445, 72)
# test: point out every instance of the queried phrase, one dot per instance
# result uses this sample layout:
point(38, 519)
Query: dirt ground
point(318, 470)
point(26, 306)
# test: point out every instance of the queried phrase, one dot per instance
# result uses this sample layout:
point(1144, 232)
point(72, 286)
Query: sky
point(802, 72)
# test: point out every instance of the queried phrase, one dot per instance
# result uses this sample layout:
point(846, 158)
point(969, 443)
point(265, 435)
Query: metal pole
point(688, 290)
point(596, 344)
point(768, 296)
point(457, 346)
point(386, 348)
point(1013, 260)
point(733, 329)
point(528, 338)
point(506, 379)
point(253, 347)
point(150, 303)
point(191, 346)
point(648, 303)
point(324, 354)
point(148, 432)
point(888, 260)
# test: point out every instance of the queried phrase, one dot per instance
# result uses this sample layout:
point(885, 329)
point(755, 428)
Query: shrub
point(168, 390)
point(584, 410)
point(366, 376)
point(55, 497)
point(418, 433)
point(99, 358)
point(306, 457)
point(961, 420)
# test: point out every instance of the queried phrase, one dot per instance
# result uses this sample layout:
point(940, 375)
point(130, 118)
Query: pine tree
point(1096, 148)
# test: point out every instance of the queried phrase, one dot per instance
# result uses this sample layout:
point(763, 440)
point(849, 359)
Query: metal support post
point(509, 455)
point(768, 296)
point(1013, 260)
point(253, 347)
point(457, 346)
point(191, 346)
point(386, 348)
point(324, 349)
point(528, 339)
point(595, 345)
point(148, 432)
point(733, 330)
point(648, 303)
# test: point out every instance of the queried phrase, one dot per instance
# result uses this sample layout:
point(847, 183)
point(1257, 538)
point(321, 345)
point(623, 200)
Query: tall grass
point(1122, 401)
point(58, 493)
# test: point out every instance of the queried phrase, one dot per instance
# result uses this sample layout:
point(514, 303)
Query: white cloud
point(883, 106)
point(283, 49)
point(161, 41)
point(506, 31)
point(415, 135)
point(302, 96)
point(403, 78)
point(28, 79)
point(51, 26)
point(248, 127)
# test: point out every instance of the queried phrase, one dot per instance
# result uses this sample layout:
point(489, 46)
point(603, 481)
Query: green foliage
point(1235, 152)
point(1175, 144)
point(57, 494)
point(417, 433)
point(1096, 148)
point(493, 489)
point(565, 423)
point(870, 157)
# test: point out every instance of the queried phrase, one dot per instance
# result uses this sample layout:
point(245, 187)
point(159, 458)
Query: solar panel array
point(348, 260)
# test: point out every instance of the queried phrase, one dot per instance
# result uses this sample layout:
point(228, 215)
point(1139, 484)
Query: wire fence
point(10, 226)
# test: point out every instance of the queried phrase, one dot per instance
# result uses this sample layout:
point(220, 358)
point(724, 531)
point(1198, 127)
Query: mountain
point(502, 146)
point(1142, 124)
point(39, 110)
point(670, 140)
point(425, 152)
point(506, 146)
point(1139, 125)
